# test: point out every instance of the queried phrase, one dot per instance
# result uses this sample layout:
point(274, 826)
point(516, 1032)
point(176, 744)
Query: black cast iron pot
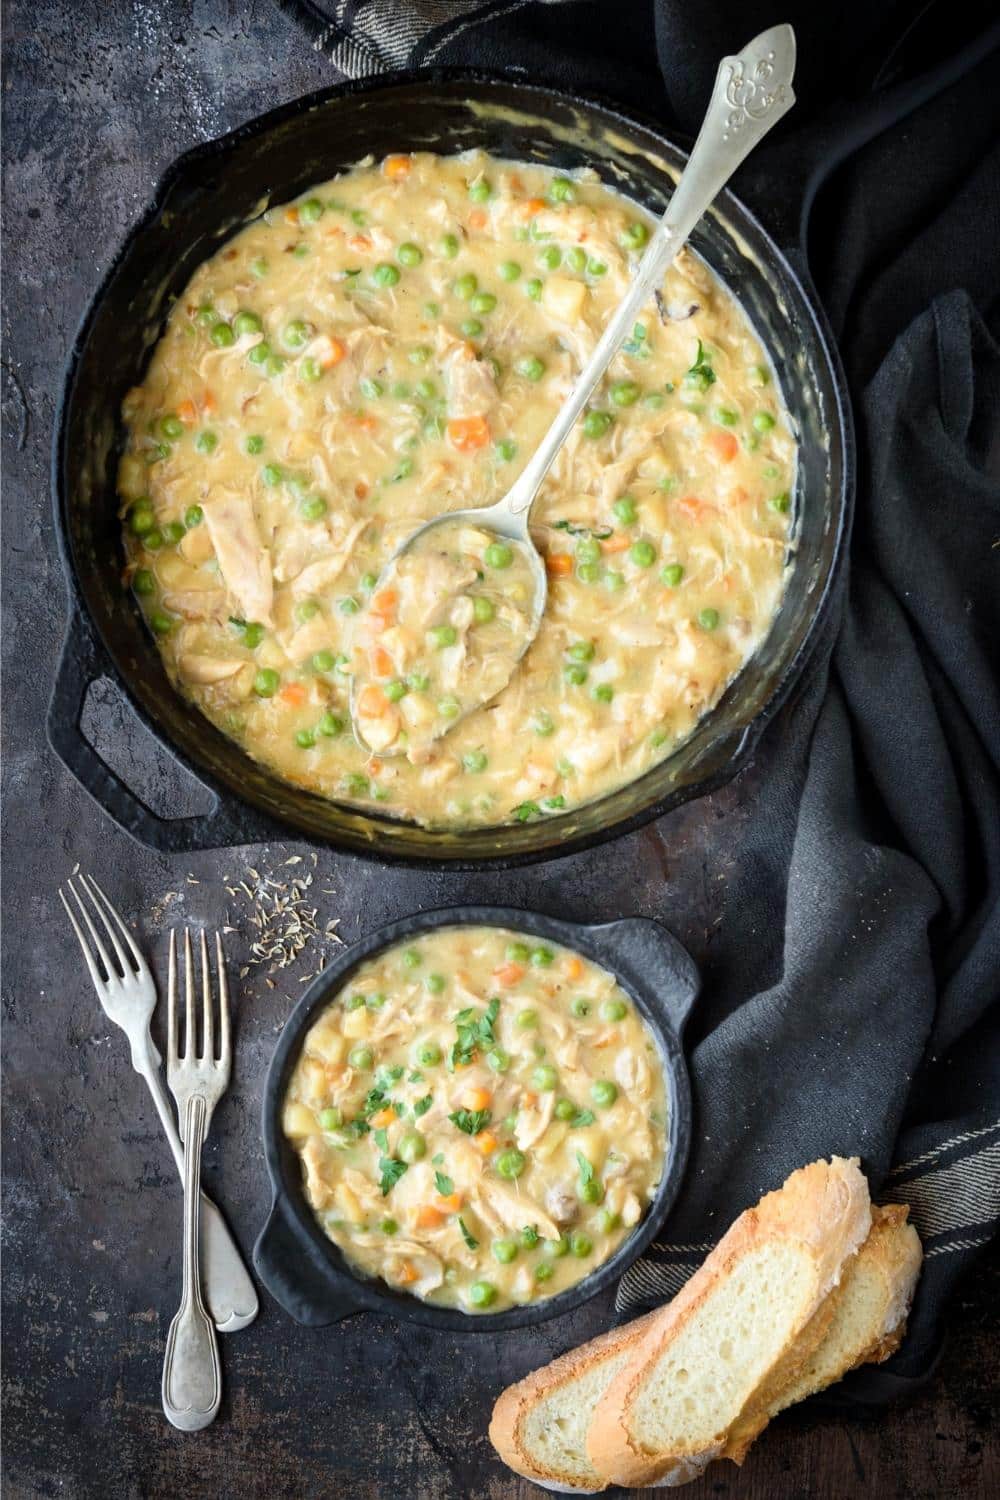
point(306, 1272)
point(203, 198)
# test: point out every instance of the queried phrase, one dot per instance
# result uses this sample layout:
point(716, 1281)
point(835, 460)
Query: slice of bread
point(870, 1308)
point(705, 1359)
point(539, 1426)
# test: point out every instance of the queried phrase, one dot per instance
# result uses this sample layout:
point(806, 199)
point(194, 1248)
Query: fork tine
point(88, 957)
point(140, 962)
point(208, 1030)
point(172, 1003)
point(190, 1034)
point(112, 935)
point(102, 952)
point(224, 1042)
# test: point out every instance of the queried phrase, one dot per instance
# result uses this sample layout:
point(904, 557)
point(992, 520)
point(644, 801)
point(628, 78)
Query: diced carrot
point(739, 495)
point(515, 183)
point(531, 206)
point(508, 973)
point(468, 433)
point(558, 564)
point(372, 701)
point(476, 1099)
point(365, 422)
point(692, 507)
point(385, 601)
point(724, 443)
point(574, 967)
point(374, 766)
point(429, 1217)
point(487, 1142)
point(384, 1117)
point(187, 411)
point(406, 1274)
point(360, 490)
point(616, 542)
point(291, 214)
point(528, 1099)
point(450, 1203)
point(477, 219)
point(293, 693)
point(381, 662)
point(208, 402)
point(360, 242)
point(331, 353)
point(396, 167)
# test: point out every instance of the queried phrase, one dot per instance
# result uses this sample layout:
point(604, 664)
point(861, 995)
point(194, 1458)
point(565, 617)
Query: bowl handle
point(647, 953)
point(82, 661)
point(294, 1280)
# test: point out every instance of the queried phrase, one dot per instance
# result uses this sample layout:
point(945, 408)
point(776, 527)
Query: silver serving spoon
point(752, 91)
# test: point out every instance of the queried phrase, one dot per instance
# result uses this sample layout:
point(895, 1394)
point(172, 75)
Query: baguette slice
point(706, 1357)
point(870, 1308)
point(539, 1426)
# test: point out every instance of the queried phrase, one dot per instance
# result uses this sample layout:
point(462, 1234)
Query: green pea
point(470, 328)
point(480, 190)
point(323, 661)
point(576, 258)
point(498, 1060)
point(435, 983)
point(331, 1119)
point(581, 1245)
point(260, 353)
point(603, 692)
point(330, 725)
point(305, 738)
point(504, 1251)
point(443, 635)
point(426, 389)
point(475, 761)
point(153, 539)
point(368, 581)
point(312, 507)
point(643, 554)
point(173, 531)
point(206, 314)
point(588, 572)
point(506, 449)
point(625, 393)
point(672, 574)
point(581, 651)
point(575, 674)
point(141, 517)
point(562, 190)
point(545, 1078)
point(543, 1271)
point(763, 421)
point(412, 958)
point(725, 416)
point(498, 555)
point(542, 958)
point(531, 367)
point(533, 288)
point(596, 267)
point(550, 257)
point(556, 1249)
point(385, 274)
point(206, 442)
point(417, 682)
point(172, 427)
point(658, 737)
point(222, 336)
point(411, 1147)
point(246, 322)
point(448, 246)
point(518, 953)
point(482, 609)
point(614, 1010)
point(482, 1293)
point(296, 333)
point(429, 1055)
point(372, 389)
point(625, 510)
point(144, 582)
point(409, 254)
point(527, 1020)
point(613, 581)
point(590, 1192)
point(396, 690)
point(603, 1092)
point(310, 210)
point(400, 390)
point(466, 286)
point(420, 355)
point(633, 236)
point(608, 1221)
point(565, 1109)
point(274, 366)
point(389, 1226)
point(511, 1163)
point(266, 682)
point(596, 423)
point(780, 503)
point(580, 1006)
point(449, 708)
point(310, 369)
point(509, 270)
point(258, 267)
point(160, 623)
point(354, 1002)
point(361, 1058)
point(708, 619)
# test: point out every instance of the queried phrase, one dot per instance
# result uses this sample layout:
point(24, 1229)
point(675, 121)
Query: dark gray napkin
point(849, 1000)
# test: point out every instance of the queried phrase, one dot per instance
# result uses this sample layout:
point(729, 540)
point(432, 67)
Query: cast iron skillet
point(306, 1272)
point(203, 198)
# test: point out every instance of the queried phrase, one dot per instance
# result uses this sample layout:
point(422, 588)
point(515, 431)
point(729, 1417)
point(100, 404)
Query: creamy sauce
point(448, 624)
point(393, 346)
point(480, 1117)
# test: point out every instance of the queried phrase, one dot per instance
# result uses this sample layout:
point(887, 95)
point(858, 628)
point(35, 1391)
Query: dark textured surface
point(98, 98)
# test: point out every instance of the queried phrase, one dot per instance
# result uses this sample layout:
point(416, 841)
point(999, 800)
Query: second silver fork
point(192, 1377)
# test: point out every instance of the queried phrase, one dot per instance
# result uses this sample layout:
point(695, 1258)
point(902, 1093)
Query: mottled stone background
point(99, 95)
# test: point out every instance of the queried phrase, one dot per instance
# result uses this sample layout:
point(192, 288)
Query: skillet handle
point(646, 952)
point(82, 661)
point(294, 1281)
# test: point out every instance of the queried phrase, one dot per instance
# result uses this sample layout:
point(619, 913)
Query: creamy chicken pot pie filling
point(392, 346)
point(480, 1117)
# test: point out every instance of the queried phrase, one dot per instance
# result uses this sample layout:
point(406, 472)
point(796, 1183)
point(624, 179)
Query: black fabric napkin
point(849, 1000)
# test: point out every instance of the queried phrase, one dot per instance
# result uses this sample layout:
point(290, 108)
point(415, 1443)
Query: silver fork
point(192, 1379)
point(128, 997)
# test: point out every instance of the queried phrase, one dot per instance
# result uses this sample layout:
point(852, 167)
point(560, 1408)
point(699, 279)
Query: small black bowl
point(306, 1272)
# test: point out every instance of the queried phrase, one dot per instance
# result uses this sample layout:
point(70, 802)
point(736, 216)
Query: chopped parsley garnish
point(444, 1184)
point(586, 1168)
point(375, 1099)
point(469, 1239)
point(638, 345)
point(381, 1139)
point(416, 1076)
point(438, 1160)
point(600, 532)
point(471, 1121)
point(529, 1236)
point(583, 1117)
point(473, 1032)
point(701, 375)
point(391, 1171)
point(355, 1129)
point(421, 1106)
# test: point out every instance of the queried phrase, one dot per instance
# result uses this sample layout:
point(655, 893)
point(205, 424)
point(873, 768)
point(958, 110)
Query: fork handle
point(229, 1292)
point(192, 1377)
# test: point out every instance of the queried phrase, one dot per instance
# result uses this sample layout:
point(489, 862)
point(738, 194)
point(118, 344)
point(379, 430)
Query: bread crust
point(515, 1403)
point(824, 1207)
